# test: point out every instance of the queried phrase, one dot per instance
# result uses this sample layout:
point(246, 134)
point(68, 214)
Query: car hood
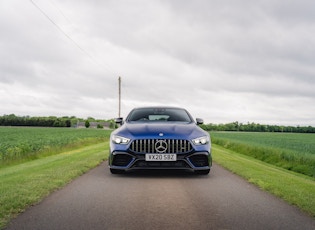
point(174, 130)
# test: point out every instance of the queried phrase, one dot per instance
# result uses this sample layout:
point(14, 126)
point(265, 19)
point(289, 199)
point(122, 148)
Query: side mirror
point(199, 121)
point(119, 120)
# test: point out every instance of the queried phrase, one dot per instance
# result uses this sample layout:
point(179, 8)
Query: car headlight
point(120, 140)
point(201, 140)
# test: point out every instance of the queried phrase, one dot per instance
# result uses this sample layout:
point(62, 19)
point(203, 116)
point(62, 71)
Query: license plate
point(160, 157)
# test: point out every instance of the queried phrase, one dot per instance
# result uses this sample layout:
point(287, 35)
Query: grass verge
point(292, 151)
point(296, 189)
point(26, 184)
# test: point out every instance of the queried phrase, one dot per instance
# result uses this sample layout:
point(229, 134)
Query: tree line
point(51, 121)
point(255, 127)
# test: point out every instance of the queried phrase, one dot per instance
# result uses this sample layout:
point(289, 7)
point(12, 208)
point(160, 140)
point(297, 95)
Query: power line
point(72, 40)
point(60, 11)
point(78, 46)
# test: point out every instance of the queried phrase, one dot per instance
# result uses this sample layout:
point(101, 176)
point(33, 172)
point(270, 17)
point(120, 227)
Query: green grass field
point(292, 151)
point(24, 143)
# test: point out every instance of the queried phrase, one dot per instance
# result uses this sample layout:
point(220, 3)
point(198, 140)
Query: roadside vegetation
point(291, 151)
point(51, 121)
point(256, 127)
point(19, 144)
point(295, 188)
point(26, 184)
point(36, 161)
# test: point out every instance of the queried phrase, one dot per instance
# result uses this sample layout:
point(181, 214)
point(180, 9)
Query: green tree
point(87, 124)
point(99, 126)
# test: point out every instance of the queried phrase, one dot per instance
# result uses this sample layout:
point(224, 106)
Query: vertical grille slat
point(181, 145)
point(141, 146)
point(169, 146)
point(148, 146)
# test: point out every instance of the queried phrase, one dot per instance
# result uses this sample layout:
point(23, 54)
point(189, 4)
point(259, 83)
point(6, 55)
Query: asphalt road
point(221, 200)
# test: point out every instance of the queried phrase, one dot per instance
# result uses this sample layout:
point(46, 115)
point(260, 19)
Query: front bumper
point(130, 161)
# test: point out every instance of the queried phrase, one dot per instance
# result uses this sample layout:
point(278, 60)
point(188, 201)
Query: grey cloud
point(214, 57)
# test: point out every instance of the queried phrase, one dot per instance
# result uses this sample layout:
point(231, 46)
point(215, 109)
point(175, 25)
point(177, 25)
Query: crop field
point(21, 143)
point(292, 151)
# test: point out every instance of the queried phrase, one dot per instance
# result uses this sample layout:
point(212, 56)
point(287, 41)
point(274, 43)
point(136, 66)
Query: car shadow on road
point(161, 174)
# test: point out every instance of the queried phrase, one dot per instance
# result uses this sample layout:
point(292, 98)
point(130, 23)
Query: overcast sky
point(224, 61)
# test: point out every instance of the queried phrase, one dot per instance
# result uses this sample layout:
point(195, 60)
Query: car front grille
point(160, 146)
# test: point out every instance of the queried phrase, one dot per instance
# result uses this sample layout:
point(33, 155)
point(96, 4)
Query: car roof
point(157, 107)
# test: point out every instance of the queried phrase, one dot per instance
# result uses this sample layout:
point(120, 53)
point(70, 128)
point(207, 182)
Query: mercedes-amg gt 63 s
point(160, 138)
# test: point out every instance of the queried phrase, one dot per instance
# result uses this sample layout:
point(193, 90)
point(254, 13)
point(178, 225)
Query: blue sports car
point(160, 138)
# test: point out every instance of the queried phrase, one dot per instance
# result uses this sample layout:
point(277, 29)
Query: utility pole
point(119, 96)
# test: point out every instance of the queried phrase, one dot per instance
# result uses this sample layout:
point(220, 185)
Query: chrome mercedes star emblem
point(161, 146)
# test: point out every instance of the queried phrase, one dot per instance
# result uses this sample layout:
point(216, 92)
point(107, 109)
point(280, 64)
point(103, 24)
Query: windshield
point(159, 114)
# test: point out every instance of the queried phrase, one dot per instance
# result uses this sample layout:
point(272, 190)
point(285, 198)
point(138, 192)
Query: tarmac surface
point(161, 200)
